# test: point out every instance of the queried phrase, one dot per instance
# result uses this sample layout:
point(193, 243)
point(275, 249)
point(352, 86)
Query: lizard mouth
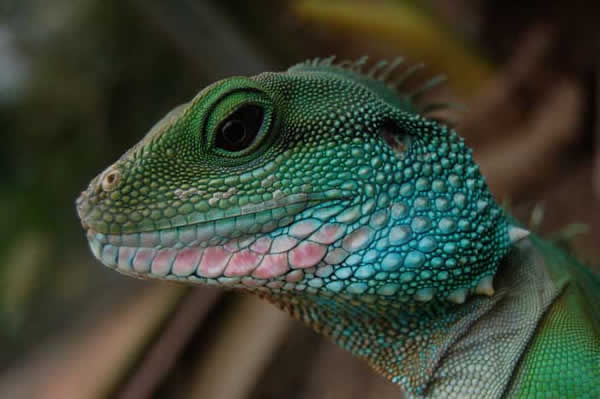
point(224, 250)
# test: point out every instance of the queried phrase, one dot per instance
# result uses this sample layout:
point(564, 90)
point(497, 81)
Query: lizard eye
point(239, 130)
point(239, 125)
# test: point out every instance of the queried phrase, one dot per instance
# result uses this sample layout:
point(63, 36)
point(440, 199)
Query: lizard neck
point(430, 349)
point(403, 344)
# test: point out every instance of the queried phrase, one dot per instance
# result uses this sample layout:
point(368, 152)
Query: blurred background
point(82, 81)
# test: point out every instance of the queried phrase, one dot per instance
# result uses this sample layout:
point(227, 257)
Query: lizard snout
point(82, 206)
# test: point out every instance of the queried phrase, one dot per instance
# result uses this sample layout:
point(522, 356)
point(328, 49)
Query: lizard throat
point(422, 348)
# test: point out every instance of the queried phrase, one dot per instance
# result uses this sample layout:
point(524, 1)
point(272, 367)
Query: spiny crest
point(388, 73)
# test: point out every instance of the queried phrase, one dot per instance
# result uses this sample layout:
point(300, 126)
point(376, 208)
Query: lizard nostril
point(110, 180)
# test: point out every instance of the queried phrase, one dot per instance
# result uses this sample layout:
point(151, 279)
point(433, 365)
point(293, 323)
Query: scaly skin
point(326, 192)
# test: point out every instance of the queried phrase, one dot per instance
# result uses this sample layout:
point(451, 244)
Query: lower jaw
point(273, 261)
point(250, 250)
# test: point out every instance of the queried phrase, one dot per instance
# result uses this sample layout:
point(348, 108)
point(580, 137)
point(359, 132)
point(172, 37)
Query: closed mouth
point(224, 248)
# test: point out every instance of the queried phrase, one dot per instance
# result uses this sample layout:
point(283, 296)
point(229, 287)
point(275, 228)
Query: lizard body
point(326, 191)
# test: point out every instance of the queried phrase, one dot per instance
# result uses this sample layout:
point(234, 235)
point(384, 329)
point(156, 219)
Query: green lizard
point(328, 192)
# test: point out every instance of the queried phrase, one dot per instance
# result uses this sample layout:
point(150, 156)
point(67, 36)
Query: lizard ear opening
point(396, 137)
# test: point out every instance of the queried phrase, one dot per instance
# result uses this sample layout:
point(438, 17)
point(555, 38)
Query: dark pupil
point(239, 130)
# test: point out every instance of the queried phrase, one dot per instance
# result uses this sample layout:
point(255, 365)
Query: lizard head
point(316, 182)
